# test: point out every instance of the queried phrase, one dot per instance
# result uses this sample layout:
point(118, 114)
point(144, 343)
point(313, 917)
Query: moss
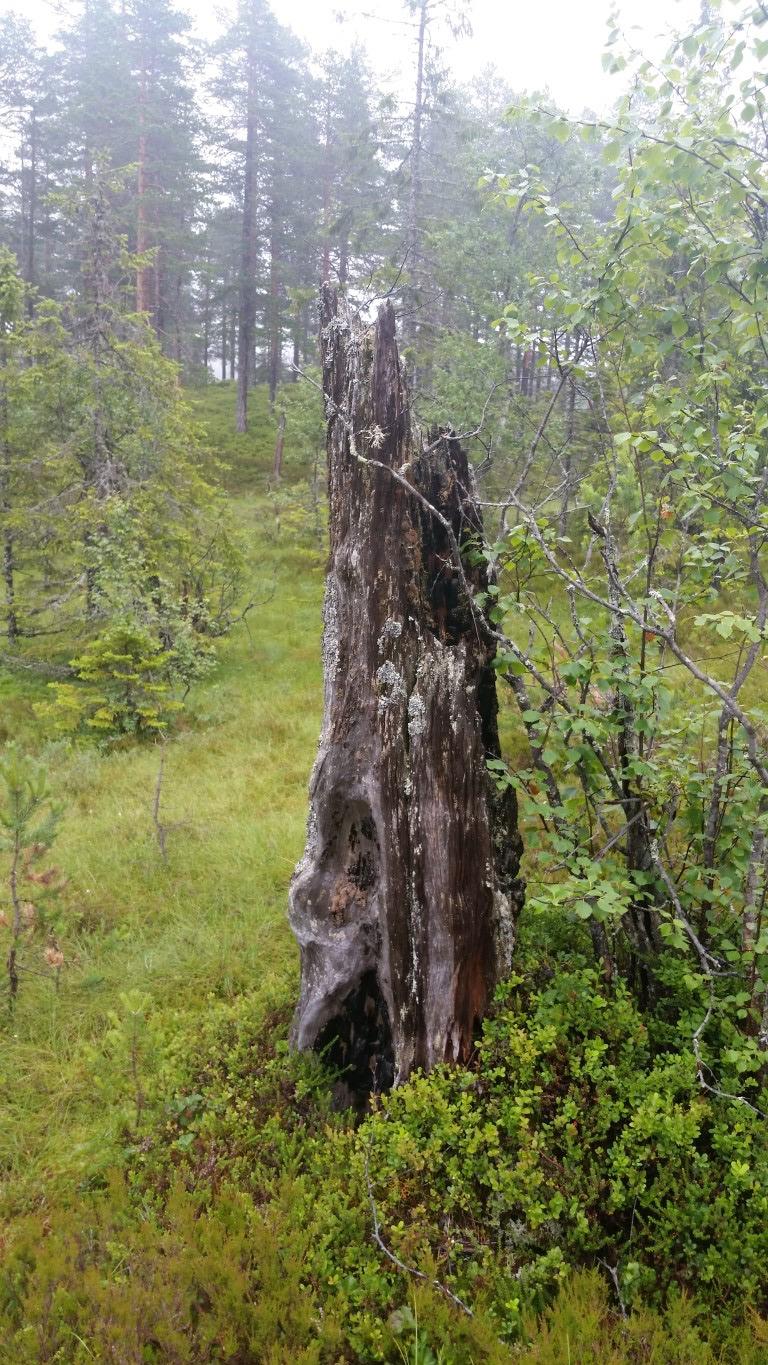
point(176, 1185)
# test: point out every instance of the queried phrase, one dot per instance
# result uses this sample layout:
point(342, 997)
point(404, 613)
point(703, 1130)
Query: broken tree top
point(404, 903)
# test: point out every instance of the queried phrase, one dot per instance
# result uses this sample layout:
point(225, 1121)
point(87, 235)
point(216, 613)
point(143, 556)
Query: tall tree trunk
point(325, 265)
point(206, 325)
point(414, 196)
point(405, 902)
point(641, 919)
point(567, 462)
point(277, 463)
point(9, 565)
point(9, 570)
point(30, 264)
point(538, 371)
point(247, 315)
point(143, 271)
point(178, 343)
point(518, 369)
point(275, 329)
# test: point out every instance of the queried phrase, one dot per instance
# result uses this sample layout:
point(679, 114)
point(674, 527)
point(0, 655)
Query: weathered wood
point(404, 903)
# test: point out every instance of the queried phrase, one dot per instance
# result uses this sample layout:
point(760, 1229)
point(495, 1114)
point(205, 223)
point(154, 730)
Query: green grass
point(210, 923)
point(248, 457)
point(159, 955)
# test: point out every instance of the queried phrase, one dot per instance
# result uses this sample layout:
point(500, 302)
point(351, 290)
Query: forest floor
point(160, 953)
point(210, 921)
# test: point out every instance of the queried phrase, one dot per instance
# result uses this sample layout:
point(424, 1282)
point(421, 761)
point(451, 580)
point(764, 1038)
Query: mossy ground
point(208, 924)
point(174, 1188)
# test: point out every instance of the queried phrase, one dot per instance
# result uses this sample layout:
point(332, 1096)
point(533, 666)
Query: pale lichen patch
point(417, 716)
point(391, 630)
point(391, 685)
point(331, 632)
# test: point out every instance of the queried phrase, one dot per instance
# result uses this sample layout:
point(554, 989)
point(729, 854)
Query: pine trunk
point(144, 271)
point(247, 311)
point(275, 321)
point(277, 463)
point(404, 904)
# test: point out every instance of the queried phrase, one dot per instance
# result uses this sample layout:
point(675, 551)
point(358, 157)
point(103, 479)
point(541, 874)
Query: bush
point(571, 1172)
point(126, 685)
point(571, 1143)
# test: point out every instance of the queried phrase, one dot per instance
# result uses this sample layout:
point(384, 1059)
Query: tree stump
point(404, 904)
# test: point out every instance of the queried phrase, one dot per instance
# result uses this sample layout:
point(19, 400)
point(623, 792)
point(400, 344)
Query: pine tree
point(256, 81)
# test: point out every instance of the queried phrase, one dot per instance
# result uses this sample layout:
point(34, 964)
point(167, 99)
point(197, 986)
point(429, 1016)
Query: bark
point(538, 372)
point(325, 265)
point(144, 271)
point(277, 464)
point(11, 615)
point(178, 343)
point(415, 189)
point(9, 564)
point(275, 320)
point(158, 298)
point(247, 311)
point(405, 901)
point(30, 264)
point(641, 920)
point(568, 484)
point(518, 368)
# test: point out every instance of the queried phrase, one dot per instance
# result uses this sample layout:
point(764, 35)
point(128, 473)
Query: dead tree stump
point(405, 901)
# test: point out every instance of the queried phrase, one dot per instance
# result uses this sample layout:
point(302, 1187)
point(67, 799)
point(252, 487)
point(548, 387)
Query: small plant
point(125, 688)
point(129, 1043)
point(29, 823)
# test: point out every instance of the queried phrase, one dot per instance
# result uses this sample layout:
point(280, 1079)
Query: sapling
point(29, 822)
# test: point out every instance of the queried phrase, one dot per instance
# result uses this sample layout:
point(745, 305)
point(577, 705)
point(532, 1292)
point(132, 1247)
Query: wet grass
point(186, 933)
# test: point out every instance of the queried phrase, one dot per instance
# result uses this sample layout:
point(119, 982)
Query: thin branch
point(401, 1265)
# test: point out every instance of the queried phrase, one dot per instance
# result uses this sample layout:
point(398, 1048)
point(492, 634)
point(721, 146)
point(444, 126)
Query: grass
point(157, 951)
point(211, 922)
point(248, 456)
point(200, 929)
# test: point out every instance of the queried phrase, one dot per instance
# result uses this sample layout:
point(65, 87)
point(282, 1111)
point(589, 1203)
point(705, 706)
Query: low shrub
point(126, 682)
point(572, 1174)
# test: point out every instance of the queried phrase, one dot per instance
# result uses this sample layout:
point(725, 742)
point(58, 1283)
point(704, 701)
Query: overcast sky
point(532, 43)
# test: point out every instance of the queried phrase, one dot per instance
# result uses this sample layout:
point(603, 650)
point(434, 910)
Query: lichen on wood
point(405, 901)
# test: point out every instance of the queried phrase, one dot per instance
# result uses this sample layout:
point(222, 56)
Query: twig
point(701, 1065)
point(161, 830)
point(613, 1271)
point(407, 1269)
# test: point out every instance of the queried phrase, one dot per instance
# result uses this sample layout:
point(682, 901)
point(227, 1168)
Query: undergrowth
point(176, 1185)
point(569, 1176)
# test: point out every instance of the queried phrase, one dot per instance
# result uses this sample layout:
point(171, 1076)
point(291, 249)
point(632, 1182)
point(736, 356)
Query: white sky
point(532, 43)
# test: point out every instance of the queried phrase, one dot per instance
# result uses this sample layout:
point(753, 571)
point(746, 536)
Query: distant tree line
point(253, 170)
